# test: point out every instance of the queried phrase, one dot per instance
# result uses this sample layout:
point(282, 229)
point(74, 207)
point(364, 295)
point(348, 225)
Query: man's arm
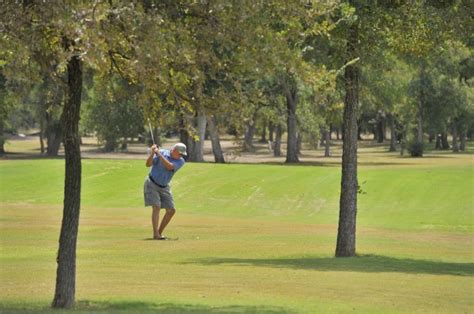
point(168, 165)
point(149, 160)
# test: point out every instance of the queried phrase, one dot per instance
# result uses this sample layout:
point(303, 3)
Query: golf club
point(151, 132)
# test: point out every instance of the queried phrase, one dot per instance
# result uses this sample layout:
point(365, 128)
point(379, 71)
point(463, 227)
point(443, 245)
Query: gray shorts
point(156, 195)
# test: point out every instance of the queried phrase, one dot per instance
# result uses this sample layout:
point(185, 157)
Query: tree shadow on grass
point(149, 307)
point(363, 263)
point(85, 306)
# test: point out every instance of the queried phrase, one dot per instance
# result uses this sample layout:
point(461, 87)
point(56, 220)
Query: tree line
point(304, 68)
point(205, 68)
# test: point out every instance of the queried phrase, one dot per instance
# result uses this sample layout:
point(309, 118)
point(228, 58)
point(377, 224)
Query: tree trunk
point(194, 142)
point(248, 137)
point(338, 135)
point(263, 138)
point(54, 141)
point(291, 103)
point(249, 134)
point(53, 135)
point(216, 144)
point(431, 137)
point(41, 134)
point(419, 135)
point(384, 129)
point(421, 105)
point(346, 235)
point(444, 140)
point(270, 131)
point(462, 137)
point(123, 144)
point(2, 138)
point(66, 271)
point(403, 142)
point(299, 143)
point(393, 135)
point(110, 144)
point(198, 145)
point(380, 131)
point(455, 138)
point(327, 143)
point(438, 142)
point(322, 132)
point(277, 148)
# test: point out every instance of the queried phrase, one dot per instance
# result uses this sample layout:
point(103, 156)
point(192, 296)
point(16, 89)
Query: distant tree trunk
point(216, 144)
point(277, 148)
point(53, 135)
point(338, 135)
point(322, 132)
point(444, 140)
point(41, 134)
point(197, 146)
point(359, 133)
point(462, 137)
point(393, 135)
point(438, 141)
point(419, 135)
point(270, 131)
point(202, 133)
point(263, 138)
point(2, 138)
point(2, 117)
point(110, 144)
point(403, 142)
point(193, 135)
point(455, 139)
point(54, 141)
point(421, 105)
point(327, 143)
point(185, 138)
point(299, 143)
point(66, 272)
point(431, 137)
point(384, 129)
point(123, 144)
point(380, 131)
point(346, 235)
point(291, 103)
point(249, 134)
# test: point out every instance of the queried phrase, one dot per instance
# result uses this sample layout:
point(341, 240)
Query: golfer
point(164, 164)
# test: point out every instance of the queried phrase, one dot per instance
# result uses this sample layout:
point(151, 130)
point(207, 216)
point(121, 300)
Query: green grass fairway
point(252, 238)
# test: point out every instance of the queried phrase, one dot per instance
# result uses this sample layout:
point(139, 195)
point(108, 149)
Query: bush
point(415, 149)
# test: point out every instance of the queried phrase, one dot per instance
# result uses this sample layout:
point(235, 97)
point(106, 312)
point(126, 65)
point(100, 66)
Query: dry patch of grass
point(231, 264)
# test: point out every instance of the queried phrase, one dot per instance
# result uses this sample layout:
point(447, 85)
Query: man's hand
point(155, 149)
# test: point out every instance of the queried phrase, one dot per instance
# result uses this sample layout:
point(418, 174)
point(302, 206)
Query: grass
point(253, 238)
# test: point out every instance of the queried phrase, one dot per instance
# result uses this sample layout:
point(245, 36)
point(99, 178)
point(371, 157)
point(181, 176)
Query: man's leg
point(166, 219)
point(155, 217)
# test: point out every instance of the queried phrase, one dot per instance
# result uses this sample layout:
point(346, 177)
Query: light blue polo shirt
point(158, 171)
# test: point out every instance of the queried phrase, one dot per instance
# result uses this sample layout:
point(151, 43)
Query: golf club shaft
point(151, 132)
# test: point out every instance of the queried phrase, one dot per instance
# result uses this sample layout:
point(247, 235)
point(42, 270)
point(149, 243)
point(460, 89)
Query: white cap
point(181, 148)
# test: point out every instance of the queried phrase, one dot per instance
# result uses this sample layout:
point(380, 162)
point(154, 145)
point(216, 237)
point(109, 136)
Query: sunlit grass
point(252, 238)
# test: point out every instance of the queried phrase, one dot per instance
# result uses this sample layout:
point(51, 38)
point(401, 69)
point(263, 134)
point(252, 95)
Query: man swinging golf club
point(164, 164)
